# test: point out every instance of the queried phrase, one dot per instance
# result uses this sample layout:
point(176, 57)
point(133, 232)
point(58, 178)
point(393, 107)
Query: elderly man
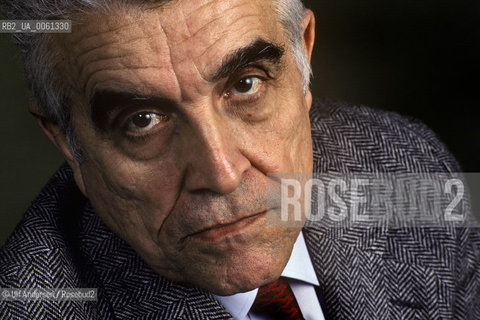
point(170, 115)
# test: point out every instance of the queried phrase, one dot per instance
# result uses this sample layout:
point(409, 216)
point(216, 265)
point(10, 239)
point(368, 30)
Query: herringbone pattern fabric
point(277, 300)
point(364, 272)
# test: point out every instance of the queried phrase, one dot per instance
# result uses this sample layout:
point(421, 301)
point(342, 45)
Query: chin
point(243, 273)
point(228, 289)
point(235, 263)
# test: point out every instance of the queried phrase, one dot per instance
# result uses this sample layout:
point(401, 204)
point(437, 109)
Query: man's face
point(181, 111)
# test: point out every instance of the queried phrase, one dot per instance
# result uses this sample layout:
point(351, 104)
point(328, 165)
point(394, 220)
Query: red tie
point(277, 300)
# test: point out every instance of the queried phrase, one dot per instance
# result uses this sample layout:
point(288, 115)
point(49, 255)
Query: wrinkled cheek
point(301, 146)
point(121, 209)
point(297, 153)
point(170, 238)
point(119, 214)
point(126, 220)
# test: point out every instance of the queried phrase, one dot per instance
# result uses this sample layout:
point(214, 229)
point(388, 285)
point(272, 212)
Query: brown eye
point(142, 122)
point(246, 86)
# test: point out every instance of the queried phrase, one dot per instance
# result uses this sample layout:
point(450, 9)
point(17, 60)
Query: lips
point(221, 231)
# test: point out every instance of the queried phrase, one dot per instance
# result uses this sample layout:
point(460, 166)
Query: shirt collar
point(299, 267)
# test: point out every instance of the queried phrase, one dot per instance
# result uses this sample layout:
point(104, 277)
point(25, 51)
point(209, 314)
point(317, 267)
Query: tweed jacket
point(364, 273)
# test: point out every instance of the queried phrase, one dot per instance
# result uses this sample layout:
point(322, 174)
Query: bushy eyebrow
point(259, 50)
point(104, 102)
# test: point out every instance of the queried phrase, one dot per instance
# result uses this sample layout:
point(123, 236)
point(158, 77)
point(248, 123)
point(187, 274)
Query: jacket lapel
point(360, 280)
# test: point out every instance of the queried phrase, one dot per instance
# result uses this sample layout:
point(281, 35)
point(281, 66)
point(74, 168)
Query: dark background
point(418, 58)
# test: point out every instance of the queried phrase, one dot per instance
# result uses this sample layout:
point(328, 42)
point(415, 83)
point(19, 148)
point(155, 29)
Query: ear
point(308, 40)
point(308, 29)
point(56, 135)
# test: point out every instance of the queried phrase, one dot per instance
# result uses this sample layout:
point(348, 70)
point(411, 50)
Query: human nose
point(216, 163)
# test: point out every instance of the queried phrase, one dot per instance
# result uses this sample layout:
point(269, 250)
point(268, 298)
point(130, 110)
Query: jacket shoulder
point(434, 266)
point(355, 138)
point(40, 252)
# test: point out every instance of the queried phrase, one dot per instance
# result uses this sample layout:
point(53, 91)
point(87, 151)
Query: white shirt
point(302, 278)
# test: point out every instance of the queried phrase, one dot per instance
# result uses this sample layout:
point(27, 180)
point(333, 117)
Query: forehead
point(161, 46)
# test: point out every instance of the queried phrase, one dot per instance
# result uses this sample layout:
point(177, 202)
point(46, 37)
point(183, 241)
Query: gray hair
point(291, 14)
point(49, 93)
